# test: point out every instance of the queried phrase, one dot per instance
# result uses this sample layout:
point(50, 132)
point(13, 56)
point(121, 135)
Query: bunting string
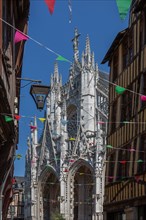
point(66, 121)
point(117, 179)
point(37, 42)
point(124, 89)
point(59, 57)
point(70, 10)
point(125, 149)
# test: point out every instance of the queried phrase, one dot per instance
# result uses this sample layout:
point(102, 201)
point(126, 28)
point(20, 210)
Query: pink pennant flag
point(137, 178)
point(13, 180)
point(100, 122)
point(50, 4)
point(19, 37)
point(66, 170)
point(131, 149)
point(71, 160)
point(33, 127)
point(111, 177)
point(123, 161)
point(143, 98)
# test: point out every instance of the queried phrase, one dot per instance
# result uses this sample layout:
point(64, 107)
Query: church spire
point(75, 45)
point(56, 73)
point(87, 49)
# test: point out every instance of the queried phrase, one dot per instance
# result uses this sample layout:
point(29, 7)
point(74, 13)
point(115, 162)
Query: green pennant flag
point(8, 119)
point(123, 7)
point(60, 58)
point(123, 177)
point(125, 122)
point(140, 161)
point(119, 89)
point(57, 158)
point(109, 146)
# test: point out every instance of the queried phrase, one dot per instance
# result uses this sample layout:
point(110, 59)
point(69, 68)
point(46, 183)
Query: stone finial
point(93, 60)
point(75, 45)
point(87, 48)
point(56, 73)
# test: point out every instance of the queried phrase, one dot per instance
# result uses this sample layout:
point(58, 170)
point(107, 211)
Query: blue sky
point(98, 18)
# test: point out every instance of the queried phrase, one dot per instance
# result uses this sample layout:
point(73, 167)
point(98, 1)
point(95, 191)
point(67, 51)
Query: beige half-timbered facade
point(125, 187)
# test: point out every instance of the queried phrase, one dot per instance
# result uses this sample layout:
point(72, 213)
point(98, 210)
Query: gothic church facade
point(65, 168)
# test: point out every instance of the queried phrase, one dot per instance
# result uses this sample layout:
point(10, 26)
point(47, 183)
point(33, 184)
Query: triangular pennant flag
point(125, 122)
point(54, 133)
point(19, 37)
point(13, 180)
point(137, 178)
point(8, 119)
point(72, 139)
point(123, 161)
point(33, 127)
point(111, 177)
point(139, 161)
point(50, 4)
point(17, 117)
point(123, 7)
point(123, 177)
point(42, 119)
point(66, 170)
point(131, 149)
point(143, 98)
point(64, 122)
point(71, 160)
point(100, 122)
point(57, 158)
point(60, 58)
point(119, 89)
point(18, 156)
point(109, 146)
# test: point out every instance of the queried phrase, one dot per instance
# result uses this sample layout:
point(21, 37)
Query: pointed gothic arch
point(49, 191)
point(81, 190)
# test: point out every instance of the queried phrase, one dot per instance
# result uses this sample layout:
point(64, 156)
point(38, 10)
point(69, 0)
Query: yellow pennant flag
point(72, 139)
point(42, 119)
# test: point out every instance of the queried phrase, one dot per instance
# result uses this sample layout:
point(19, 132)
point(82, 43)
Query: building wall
point(11, 55)
point(125, 188)
point(16, 207)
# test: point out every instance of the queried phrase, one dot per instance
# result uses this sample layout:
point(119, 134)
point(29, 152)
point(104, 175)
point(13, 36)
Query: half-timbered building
point(13, 14)
point(125, 187)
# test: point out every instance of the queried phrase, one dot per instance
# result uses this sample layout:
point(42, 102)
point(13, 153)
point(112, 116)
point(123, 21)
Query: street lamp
point(39, 94)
